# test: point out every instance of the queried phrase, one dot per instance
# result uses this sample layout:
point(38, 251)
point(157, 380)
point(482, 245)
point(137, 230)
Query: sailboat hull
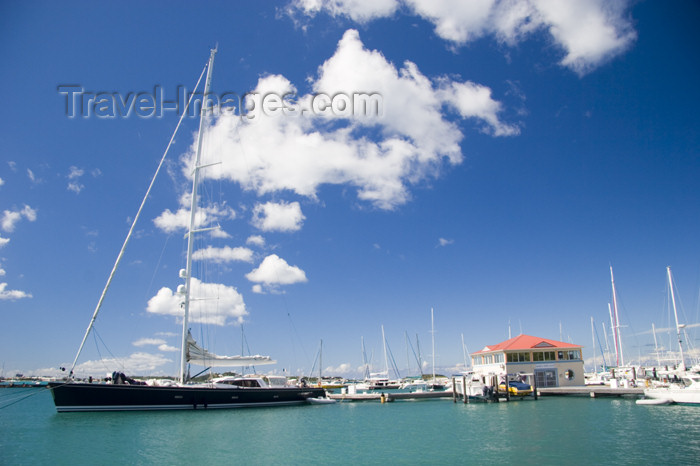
point(75, 397)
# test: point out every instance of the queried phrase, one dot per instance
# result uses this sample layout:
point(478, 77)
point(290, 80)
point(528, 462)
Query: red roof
point(526, 342)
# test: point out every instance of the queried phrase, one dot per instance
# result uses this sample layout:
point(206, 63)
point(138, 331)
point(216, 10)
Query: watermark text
point(155, 103)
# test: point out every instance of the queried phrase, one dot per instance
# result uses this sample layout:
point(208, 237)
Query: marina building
point(553, 363)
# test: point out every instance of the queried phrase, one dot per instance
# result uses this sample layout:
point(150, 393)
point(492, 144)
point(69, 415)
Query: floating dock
point(389, 396)
point(594, 391)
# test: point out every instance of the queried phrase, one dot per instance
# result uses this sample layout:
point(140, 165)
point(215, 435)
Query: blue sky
point(523, 147)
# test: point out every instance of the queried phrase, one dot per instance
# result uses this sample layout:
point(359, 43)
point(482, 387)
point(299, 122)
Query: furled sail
point(198, 355)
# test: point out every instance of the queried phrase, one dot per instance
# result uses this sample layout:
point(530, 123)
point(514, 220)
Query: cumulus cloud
point(358, 10)
point(4, 241)
point(12, 295)
point(278, 216)
point(11, 217)
point(139, 363)
point(157, 342)
point(342, 369)
point(275, 271)
point(211, 303)
point(170, 222)
point(413, 138)
point(148, 341)
point(473, 100)
point(255, 240)
point(223, 255)
point(588, 31)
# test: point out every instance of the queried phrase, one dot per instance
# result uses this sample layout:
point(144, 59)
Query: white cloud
point(211, 303)
point(32, 177)
point(75, 187)
point(167, 348)
point(75, 173)
point(135, 364)
point(73, 176)
point(359, 10)
point(588, 31)
point(225, 254)
point(474, 101)
point(2, 182)
point(4, 241)
point(282, 216)
point(344, 368)
point(276, 271)
point(302, 152)
point(158, 342)
point(12, 295)
point(456, 21)
point(445, 242)
point(2, 272)
point(255, 240)
point(11, 217)
point(148, 341)
point(29, 213)
point(170, 222)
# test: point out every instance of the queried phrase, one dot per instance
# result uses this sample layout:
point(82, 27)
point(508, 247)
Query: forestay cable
point(133, 225)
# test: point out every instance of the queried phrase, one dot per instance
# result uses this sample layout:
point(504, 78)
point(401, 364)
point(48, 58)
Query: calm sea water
point(552, 430)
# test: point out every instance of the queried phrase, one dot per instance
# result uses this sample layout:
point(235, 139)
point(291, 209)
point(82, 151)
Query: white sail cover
point(198, 355)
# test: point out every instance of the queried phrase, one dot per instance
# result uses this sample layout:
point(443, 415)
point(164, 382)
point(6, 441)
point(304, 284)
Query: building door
point(546, 378)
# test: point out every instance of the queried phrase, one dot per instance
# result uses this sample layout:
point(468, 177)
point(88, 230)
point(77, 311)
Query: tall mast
point(408, 358)
point(656, 345)
point(386, 360)
point(432, 332)
point(320, 364)
point(616, 330)
point(464, 353)
point(595, 368)
point(130, 233)
point(675, 314)
point(614, 335)
point(191, 232)
point(364, 359)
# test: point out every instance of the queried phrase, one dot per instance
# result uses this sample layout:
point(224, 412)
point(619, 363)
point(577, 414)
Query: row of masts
point(617, 336)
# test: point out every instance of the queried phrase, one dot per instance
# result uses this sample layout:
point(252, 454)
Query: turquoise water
point(552, 430)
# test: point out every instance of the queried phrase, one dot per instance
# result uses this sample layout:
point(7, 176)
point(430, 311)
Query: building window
point(543, 356)
point(567, 355)
point(499, 358)
point(518, 357)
